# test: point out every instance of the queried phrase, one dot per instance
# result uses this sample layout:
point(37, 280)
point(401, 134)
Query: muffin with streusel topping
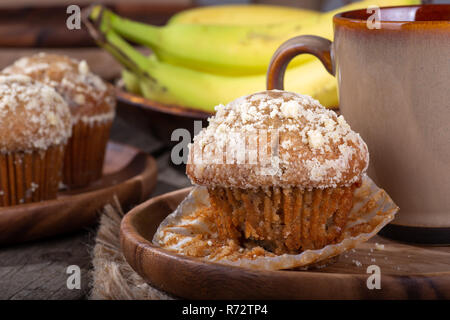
point(35, 125)
point(92, 105)
point(280, 170)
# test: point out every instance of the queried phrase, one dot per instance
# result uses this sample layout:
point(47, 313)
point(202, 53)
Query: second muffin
point(280, 171)
point(92, 104)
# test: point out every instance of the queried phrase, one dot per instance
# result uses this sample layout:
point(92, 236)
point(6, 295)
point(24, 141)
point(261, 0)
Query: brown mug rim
point(343, 19)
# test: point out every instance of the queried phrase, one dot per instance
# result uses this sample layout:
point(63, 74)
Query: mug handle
point(317, 46)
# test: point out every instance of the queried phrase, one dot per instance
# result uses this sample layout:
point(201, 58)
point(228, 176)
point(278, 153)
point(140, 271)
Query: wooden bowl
point(129, 175)
point(407, 271)
point(159, 118)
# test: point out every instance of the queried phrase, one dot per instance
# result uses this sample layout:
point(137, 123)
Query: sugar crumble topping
point(83, 67)
point(314, 143)
point(32, 115)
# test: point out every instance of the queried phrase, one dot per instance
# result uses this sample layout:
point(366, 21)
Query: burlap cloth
point(112, 277)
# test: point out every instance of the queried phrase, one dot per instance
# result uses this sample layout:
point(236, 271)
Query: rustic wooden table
point(38, 270)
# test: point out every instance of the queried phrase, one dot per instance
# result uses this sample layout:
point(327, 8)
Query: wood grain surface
point(407, 271)
point(38, 270)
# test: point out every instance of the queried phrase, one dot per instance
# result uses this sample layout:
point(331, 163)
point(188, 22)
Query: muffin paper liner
point(85, 153)
point(27, 177)
point(190, 230)
point(311, 219)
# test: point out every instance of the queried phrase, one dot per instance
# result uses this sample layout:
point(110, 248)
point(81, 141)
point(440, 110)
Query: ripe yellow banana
point(240, 15)
point(229, 50)
point(171, 84)
point(195, 89)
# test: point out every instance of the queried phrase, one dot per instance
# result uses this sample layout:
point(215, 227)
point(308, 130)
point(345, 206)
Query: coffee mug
point(394, 89)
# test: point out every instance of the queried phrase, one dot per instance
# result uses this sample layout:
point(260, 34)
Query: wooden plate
point(407, 271)
point(160, 119)
point(129, 174)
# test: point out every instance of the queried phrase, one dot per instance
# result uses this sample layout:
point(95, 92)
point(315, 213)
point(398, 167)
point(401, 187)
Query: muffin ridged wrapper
point(27, 177)
point(282, 220)
point(191, 230)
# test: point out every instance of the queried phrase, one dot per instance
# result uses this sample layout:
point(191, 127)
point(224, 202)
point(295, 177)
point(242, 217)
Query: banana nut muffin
point(35, 125)
point(280, 170)
point(91, 102)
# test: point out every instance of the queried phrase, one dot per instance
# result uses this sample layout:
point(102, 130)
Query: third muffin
point(92, 104)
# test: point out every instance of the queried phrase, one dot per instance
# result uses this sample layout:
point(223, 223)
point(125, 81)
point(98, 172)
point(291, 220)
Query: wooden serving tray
point(407, 271)
point(129, 175)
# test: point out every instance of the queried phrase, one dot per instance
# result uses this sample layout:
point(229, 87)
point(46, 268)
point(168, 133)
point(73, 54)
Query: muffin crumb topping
point(83, 67)
point(308, 145)
point(32, 115)
point(85, 93)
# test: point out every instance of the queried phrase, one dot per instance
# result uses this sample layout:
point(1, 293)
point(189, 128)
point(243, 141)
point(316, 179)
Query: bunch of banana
point(200, 65)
